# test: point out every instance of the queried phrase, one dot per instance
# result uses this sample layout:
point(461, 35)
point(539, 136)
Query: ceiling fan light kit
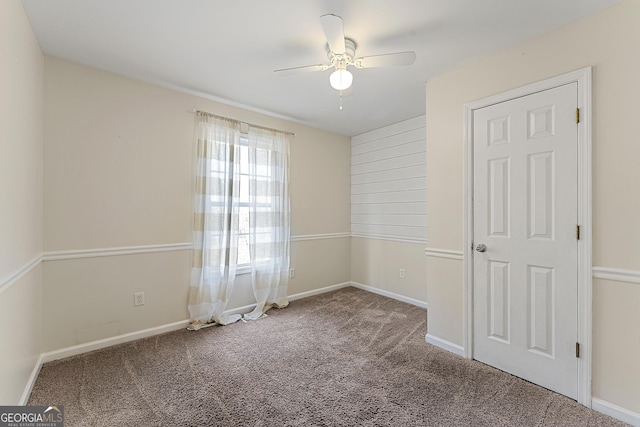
point(341, 53)
point(341, 79)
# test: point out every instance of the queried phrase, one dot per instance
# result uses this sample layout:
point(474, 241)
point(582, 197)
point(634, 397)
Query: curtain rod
point(250, 124)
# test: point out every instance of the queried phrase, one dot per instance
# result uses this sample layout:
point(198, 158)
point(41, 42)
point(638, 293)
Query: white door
point(525, 282)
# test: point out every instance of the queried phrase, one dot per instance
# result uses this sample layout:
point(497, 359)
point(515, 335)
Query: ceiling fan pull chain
point(341, 100)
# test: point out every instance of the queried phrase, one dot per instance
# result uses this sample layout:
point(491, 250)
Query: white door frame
point(583, 78)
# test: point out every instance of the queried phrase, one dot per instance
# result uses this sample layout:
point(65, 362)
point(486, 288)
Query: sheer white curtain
point(238, 174)
point(215, 220)
point(269, 218)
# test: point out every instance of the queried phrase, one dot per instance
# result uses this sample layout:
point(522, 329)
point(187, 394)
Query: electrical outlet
point(138, 298)
point(292, 273)
point(402, 273)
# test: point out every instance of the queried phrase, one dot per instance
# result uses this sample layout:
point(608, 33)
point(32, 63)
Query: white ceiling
point(227, 50)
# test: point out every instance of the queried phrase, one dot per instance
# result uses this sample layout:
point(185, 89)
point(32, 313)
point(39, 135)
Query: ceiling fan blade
point(386, 60)
point(334, 31)
point(305, 69)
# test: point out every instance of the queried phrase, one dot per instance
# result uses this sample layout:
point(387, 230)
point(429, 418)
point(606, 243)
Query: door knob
point(481, 247)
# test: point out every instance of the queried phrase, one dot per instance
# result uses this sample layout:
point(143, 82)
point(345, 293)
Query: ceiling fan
point(341, 53)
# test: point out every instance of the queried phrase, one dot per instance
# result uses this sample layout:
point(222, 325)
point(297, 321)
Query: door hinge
point(578, 350)
point(577, 232)
point(577, 115)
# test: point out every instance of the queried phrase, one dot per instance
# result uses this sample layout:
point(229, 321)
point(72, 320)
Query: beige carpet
point(345, 358)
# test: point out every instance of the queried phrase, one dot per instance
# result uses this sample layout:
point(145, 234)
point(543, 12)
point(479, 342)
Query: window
point(241, 217)
point(234, 175)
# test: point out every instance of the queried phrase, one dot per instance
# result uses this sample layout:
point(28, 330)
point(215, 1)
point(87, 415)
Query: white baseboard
point(145, 333)
point(31, 382)
point(388, 294)
point(91, 346)
point(324, 290)
point(616, 411)
point(108, 342)
point(248, 308)
point(445, 345)
point(132, 336)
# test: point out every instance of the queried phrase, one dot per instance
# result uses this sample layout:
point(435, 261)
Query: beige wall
point(21, 100)
point(608, 41)
point(617, 341)
point(117, 173)
point(377, 263)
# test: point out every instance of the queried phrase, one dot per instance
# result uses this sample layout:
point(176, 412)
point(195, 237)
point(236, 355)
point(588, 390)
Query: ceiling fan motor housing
point(341, 60)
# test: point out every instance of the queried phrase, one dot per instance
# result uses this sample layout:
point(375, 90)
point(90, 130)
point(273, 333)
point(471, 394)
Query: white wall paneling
point(388, 182)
